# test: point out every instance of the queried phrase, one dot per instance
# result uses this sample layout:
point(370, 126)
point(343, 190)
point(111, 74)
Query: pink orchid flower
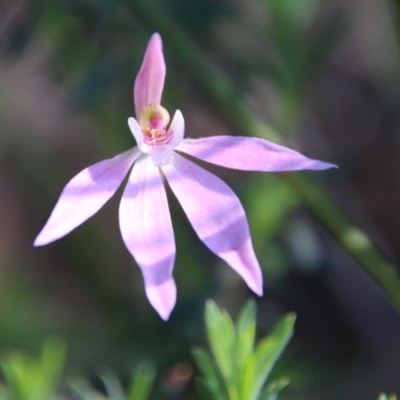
point(212, 208)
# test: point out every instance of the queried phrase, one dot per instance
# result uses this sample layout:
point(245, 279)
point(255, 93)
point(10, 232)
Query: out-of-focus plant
point(28, 378)
point(238, 368)
point(383, 396)
point(139, 387)
point(299, 49)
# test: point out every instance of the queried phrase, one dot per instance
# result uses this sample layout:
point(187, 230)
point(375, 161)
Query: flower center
point(153, 121)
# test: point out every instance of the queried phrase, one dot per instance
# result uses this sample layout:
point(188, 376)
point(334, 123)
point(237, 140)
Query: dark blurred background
point(325, 74)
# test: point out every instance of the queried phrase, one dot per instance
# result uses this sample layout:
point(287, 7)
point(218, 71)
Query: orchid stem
point(315, 197)
point(354, 240)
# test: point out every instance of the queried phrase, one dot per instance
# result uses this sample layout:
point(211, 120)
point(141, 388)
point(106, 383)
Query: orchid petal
point(217, 217)
point(85, 194)
point(178, 129)
point(149, 82)
point(136, 132)
point(146, 229)
point(249, 154)
point(162, 154)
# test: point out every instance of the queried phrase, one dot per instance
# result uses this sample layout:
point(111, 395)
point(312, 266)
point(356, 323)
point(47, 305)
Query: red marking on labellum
point(156, 137)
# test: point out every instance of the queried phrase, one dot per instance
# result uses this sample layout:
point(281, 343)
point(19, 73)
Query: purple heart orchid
point(212, 208)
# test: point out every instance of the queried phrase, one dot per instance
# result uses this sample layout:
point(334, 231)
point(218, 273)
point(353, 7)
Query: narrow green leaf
point(9, 376)
point(203, 390)
point(246, 330)
point(245, 336)
point(113, 386)
point(142, 382)
point(205, 365)
point(221, 336)
point(84, 392)
point(51, 363)
point(21, 374)
point(248, 378)
point(32, 379)
point(272, 390)
point(383, 396)
point(247, 316)
point(269, 350)
point(210, 376)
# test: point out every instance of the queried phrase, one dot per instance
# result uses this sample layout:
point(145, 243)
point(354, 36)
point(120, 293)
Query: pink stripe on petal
point(249, 154)
point(146, 229)
point(85, 194)
point(149, 81)
point(217, 216)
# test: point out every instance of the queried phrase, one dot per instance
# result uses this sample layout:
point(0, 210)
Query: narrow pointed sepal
point(217, 216)
point(249, 154)
point(85, 194)
point(147, 232)
point(149, 81)
point(136, 132)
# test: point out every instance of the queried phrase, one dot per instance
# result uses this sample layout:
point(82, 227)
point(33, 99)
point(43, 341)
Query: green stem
point(356, 243)
point(224, 97)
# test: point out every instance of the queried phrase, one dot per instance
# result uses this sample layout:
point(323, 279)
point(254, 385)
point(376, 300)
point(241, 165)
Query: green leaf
point(210, 379)
point(112, 384)
point(84, 392)
point(248, 378)
point(51, 364)
point(272, 390)
point(31, 379)
point(269, 350)
point(13, 367)
point(245, 336)
point(142, 382)
point(245, 333)
point(203, 390)
point(243, 369)
point(383, 396)
point(221, 335)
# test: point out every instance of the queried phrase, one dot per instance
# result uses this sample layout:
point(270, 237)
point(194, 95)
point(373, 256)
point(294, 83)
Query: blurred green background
point(324, 74)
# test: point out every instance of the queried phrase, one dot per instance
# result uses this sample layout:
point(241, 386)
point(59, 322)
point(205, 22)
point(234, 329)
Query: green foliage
point(240, 369)
point(31, 379)
point(139, 387)
point(383, 396)
point(28, 378)
point(300, 49)
point(142, 382)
